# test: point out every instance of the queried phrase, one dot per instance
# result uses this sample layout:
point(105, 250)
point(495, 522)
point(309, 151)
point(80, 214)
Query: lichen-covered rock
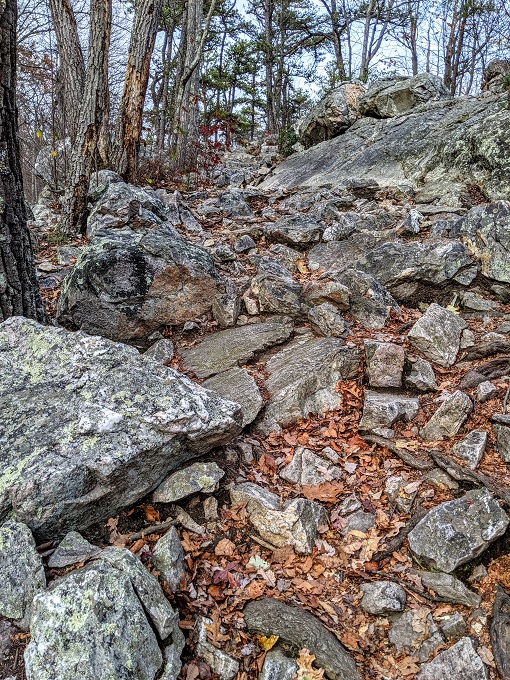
point(385, 363)
point(231, 347)
point(457, 531)
point(391, 97)
point(89, 429)
point(301, 629)
point(382, 410)
point(21, 572)
point(331, 116)
point(437, 334)
point(308, 468)
point(449, 417)
point(472, 447)
point(383, 597)
point(419, 375)
point(302, 379)
point(459, 662)
point(450, 588)
point(485, 232)
point(294, 230)
point(93, 623)
point(169, 558)
point(239, 386)
point(73, 548)
point(501, 424)
point(197, 477)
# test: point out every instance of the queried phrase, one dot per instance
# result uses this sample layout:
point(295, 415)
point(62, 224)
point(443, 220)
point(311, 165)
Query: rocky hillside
point(267, 435)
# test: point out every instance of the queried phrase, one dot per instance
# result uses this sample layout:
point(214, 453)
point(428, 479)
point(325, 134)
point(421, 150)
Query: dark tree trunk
point(19, 293)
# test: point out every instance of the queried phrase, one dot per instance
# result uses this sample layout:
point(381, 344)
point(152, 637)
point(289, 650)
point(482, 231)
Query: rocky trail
point(268, 437)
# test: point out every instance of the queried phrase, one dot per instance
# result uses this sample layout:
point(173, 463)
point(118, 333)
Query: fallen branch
point(152, 529)
point(396, 543)
point(405, 455)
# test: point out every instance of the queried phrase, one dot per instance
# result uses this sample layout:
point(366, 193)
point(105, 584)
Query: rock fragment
point(383, 597)
point(449, 417)
point(459, 662)
point(437, 335)
point(472, 447)
point(183, 483)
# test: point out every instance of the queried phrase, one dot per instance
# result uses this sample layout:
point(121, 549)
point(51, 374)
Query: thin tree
point(19, 293)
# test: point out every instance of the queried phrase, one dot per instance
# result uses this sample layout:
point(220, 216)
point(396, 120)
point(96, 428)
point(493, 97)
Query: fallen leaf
point(267, 643)
point(225, 548)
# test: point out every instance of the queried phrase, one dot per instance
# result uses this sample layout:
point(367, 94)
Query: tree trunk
point(72, 65)
point(19, 292)
point(129, 121)
point(93, 115)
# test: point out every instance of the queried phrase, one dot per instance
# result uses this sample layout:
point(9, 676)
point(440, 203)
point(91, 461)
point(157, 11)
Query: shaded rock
point(68, 254)
point(21, 572)
point(218, 660)
point(440, 479)
point(231, 202)
point(382, 410)
point(244, 244)
point(308, 468)
point(449, 417)
point(457, 531)
point(72, 549)
point(360, 521)
point(501, 425)
point(99, 430)
point(337, 256)
point(383, 597)
point(472, 447)
point(391, 97)
point(275, 289)
point(500, 632)
point(395, 490)
point(161, 351)
point(459, 662)
point(385, 363)
point(7, 632)
point(327, 321)
point(286, 256)
point(278, 666)
point(223, 253)
point(295, 523)
point(419, 375)
point(318, 292)
point(301, 629)
point(331, 116)
point(226, 307)
point(485, 391)
point(370, 302)
point(349, 505)
point(494, 74)
point(169, 558)
point(437, 334)
point(295, 230)
point(237, 385)
point(485, 233)
point(449, 587)
point(183, 483)
point(452, 626)
point(346, 223)
point(302, 379)
point(227, 349)
point(416, 633)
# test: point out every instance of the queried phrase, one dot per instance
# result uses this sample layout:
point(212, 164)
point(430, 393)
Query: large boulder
point(494, 74)
point(331, 116)
point(88, 426)
point(438, 148)
point(137, 274)
point(389, 97)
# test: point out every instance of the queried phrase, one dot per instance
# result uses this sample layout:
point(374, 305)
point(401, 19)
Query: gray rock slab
point(472, 447)
point(219, 661)
point(169, 558)
point(237, 385)
point(72, 549)
point(416, 633)
point(21, 572)
point(457, 531)
point(302, 379)
point(382, 409)
point(227, 349)
point(307, 467)
point(192, 479)
point(459, 662)
point(161, 351)
point(301, 629)
point(383, 597)
point(385, 363)
point(278, 666)
point(294, 230)
point(501, 425)
point(88, 428)
point(326, 320)
point(419, 375)
point(449, 417)
point(449, 587)
point(390, 97)
point(452, 626)
point(485, 391)
point(437, 335)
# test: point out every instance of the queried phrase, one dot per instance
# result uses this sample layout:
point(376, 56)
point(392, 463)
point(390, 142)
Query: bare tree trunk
point(19, 293)
point(269, 66)
point(72, 65)
point(129, 121)
point(93, 115)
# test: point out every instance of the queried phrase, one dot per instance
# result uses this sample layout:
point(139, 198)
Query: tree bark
point(19, 292)
point(93, 116)
point(129, 121)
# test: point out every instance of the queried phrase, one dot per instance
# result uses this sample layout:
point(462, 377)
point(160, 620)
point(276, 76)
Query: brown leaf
point(225, 548)
point(151, 514)
point(328, 492)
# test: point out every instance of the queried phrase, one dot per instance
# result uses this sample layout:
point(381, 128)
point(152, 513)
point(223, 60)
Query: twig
point(396, 543)
point(152, 529)
point(413, 589)
point(404, 454)
point(507, 393)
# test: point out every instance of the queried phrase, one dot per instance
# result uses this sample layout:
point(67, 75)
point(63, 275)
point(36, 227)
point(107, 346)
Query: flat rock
point(183, 483)
point(90, 429)
point(449, 587)
point(326, 320)
point(301, 629)
point(416, 633)
point(21, 572)
point(385, 363)
point(72, 549)
point(294, 230)
point(382, 410)
point(437, 335)
point(227, 349)
point(169, 558)
point(308, 468)
point(383, 597)
point(472, 447)
point(449, 417)
point(459, 662)
point(302, 379)
point(278, 666)
point(457, 531)
point(238, 385)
